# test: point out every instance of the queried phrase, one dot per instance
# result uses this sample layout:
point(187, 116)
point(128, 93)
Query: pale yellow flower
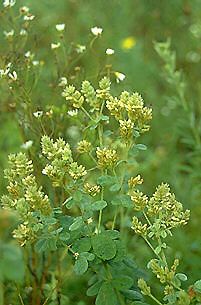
point(128, 43)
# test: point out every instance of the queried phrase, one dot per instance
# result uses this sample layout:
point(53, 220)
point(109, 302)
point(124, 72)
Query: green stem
point(1, 293)
point(121, 301)
point(92, 158)
point(155, 299)
point(86, 113)
point(99, 220)
point(152, 248)
point(101, 211)
point(147, 219)
point(19, 295)
point(114, 219)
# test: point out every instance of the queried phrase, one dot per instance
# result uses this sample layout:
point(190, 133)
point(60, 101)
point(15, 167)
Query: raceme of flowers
point(25, 197)
point(162, 211)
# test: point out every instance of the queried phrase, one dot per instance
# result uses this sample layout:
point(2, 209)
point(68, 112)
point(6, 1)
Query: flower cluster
point(84, 147)
point(61, 166)
point(163, 273)
point(107, 158)
point(91, 189)
point(6, 72)
point(130, 111)
point(87, 94)
point(171, 280)
point(139, 227)
point(163, 212)
point(126, 128)
point(25, 197)
point(73, 96)
point(90, 95)
point(133, 181)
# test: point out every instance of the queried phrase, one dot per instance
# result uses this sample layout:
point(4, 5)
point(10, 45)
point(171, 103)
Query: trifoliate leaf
point(104, 247)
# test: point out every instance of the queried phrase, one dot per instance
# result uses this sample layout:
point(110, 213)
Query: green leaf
point(69, 202)
point(139, 303)
point(122, 282)
point(122, 200)
point(136, 133)
point(132, 295)
point(197, 286)
point(81, 265)
point(107, 133)
point(99, 205)
point(64, 236)
point(106, 180)
point(41, 245)
point(140, 147)
point(104, 118)
point(114, 234)
point(76, 224)
point(12, 265)
point(82, 245)
point(182, 277)
point(115, 187)
point(77, 196)
point(104, 247)
point(94, 289)
point(89, 256)
point(46, 243)
point(106, 295)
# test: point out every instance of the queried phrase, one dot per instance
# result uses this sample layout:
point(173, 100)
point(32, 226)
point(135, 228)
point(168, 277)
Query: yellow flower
point(128, 43)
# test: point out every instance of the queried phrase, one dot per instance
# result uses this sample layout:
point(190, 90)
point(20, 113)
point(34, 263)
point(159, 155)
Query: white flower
point(1, 73)
point(62, 82)
point(44, 171)
point(73, 112)
point(80, 48)
point(109, 51)
point(27, 145)
point(23, 32)
point(13, 75)
point(9, 3)
point(96, 31)
point(27, 54)
point(24, 9)
point(9, 34)
point(119, 76)
point(89, 220)
point(35, 62)
point(29, 17)
point(76, 255)
point(60, 27)
point(38, 114)
point(6, 71)
point(55, 45)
